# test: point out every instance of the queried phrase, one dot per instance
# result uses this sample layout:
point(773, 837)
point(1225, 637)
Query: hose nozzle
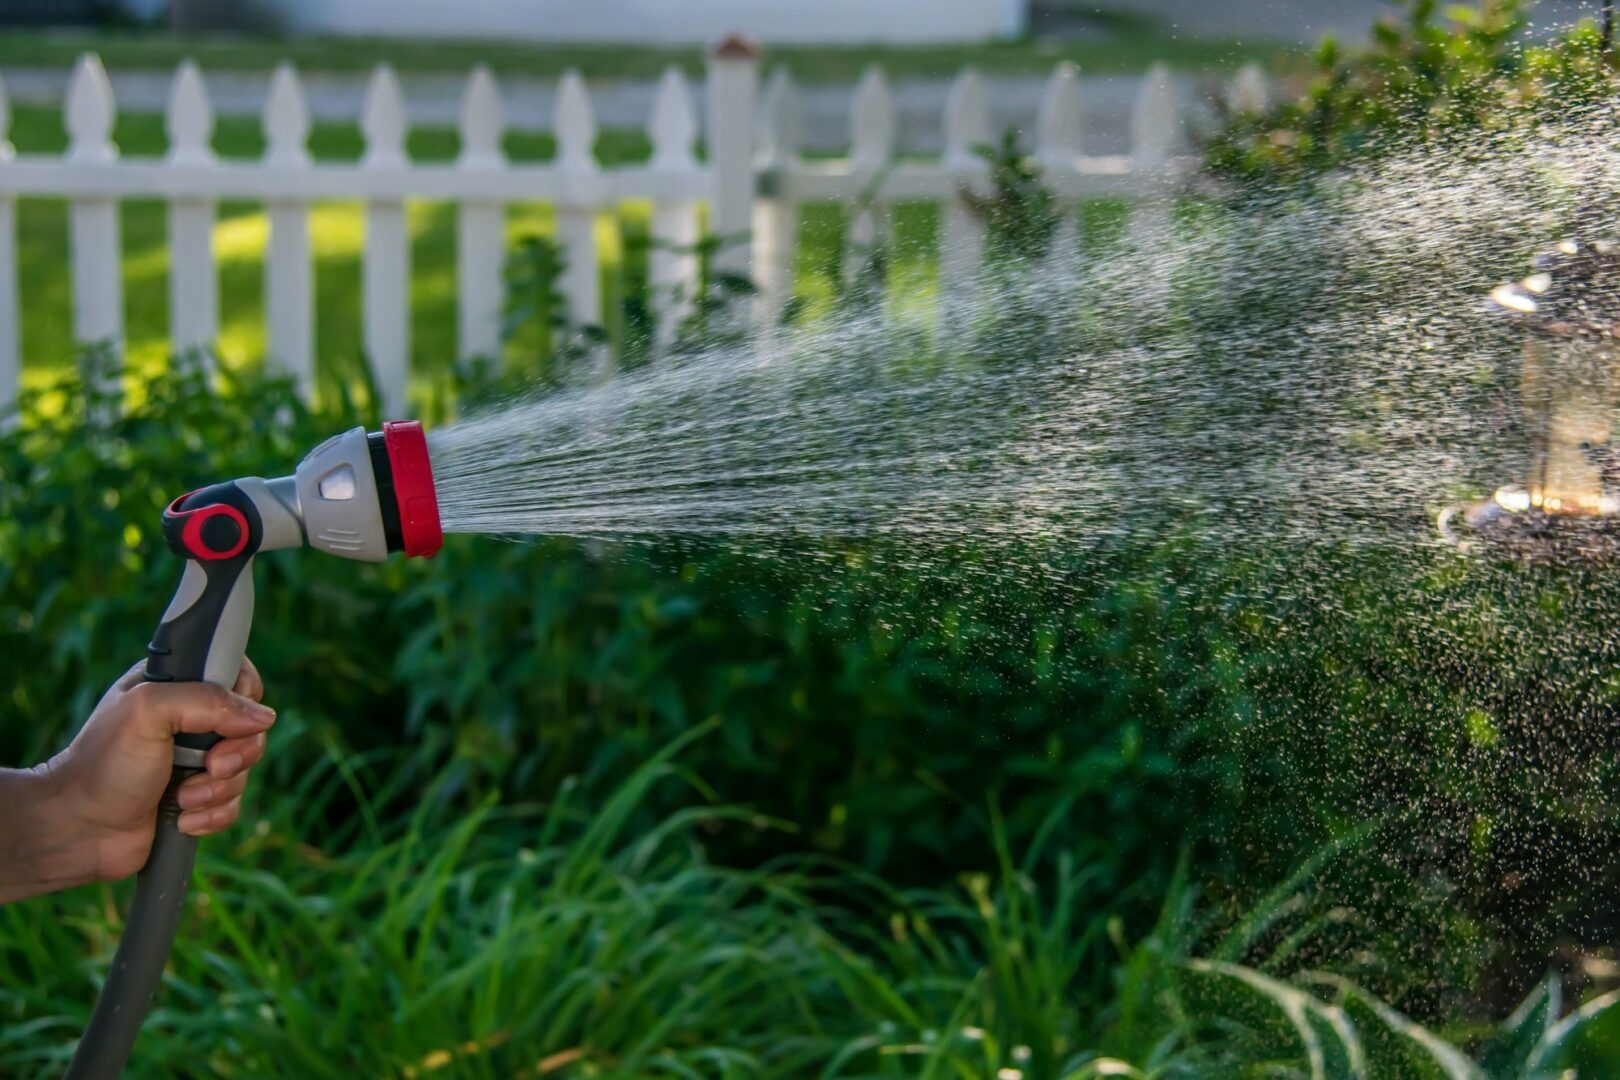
point(356, 495)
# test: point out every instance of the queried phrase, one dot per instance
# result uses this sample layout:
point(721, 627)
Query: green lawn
point(1125, 42)
point(338, 236)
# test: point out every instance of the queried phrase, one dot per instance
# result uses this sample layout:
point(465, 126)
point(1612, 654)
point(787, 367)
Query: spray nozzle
point(358, 495)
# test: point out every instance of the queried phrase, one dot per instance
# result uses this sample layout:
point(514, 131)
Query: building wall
point(659, 21)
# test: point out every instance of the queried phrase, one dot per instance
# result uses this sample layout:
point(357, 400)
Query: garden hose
point(358, 496)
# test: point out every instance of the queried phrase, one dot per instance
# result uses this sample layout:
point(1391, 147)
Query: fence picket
point(673, 269)
point(480, 223)
point(193, 278)
point(1156, 139)
point(289, 273)
point(967, 129)
point(1059, 142)
point(10, 330)
point(871, 131)
point(1249, 92)
point(776, 211)
point(1058, 137)
point(576, 216)
point(386, 264)
point(98, 293)
point(733, 94)
point(1156, 131)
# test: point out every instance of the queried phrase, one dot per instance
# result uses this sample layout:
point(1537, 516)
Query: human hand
point(109, 781)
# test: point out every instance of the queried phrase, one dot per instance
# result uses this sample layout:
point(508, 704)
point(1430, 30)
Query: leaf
point(1276, 903)
point(1395, 1044)
point(1505, 1054)
point(1585, 1043)
point(1270, 1020)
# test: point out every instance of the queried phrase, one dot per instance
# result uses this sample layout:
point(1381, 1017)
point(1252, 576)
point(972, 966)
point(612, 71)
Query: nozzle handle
point(203, 634)
point(202, 637)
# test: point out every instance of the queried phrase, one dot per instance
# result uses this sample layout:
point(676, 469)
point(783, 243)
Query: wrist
point(43, 846)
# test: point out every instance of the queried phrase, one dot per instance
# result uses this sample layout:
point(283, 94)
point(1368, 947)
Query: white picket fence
point(753, 182)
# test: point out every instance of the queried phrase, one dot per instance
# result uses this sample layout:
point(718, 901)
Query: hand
point(110, 780)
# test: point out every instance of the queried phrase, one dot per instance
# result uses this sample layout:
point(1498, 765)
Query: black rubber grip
point(382, 469)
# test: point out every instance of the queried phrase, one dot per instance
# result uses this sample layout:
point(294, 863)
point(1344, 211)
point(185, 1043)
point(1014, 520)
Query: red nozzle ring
point(413, 488)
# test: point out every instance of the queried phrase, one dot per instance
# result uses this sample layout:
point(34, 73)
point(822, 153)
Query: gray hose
point(137, 968)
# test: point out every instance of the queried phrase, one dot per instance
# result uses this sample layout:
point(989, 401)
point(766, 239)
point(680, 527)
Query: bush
point(1233, 694)
point(1421, 82)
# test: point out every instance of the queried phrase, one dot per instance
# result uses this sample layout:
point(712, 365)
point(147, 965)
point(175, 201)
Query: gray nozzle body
point(332, 502)
point(338, 499)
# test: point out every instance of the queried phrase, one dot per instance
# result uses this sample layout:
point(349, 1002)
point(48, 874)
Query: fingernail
point(192, 820)
point(225, 765)
point(192, 795)
point(262, 714)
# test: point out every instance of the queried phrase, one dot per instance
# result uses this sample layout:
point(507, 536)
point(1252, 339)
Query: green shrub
point(1234, 694)
point(1422, 81)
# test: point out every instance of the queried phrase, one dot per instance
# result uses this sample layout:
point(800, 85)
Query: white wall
point(668, 22)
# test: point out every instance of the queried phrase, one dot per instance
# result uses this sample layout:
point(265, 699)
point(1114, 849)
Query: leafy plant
point(712, 309)
point(421, 935)
point(1424, 80)
point(549, 350)
point(1158, 695)
point(536, 319)
point(1020, 215)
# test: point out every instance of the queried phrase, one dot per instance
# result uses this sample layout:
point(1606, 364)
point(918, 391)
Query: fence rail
point(752, 181)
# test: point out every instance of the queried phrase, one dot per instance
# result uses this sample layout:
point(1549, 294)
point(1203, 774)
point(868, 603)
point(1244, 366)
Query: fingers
point(133, 677)
point(232, 756)
point(212, 801)
point(164, 710)
point(211, 820)
point(202, 792)
point(248, 683)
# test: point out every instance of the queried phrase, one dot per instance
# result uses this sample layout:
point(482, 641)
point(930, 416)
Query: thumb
point(164, 710)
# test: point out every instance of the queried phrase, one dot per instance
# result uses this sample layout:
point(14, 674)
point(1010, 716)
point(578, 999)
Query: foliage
point(1020, 214)
point(1425, 80)
point(1164, 709)
point(1135, 700)
point(535, 301)
point(506, 938)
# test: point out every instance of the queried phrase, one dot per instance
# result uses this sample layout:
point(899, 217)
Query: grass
point(517, 940)
point(1124, 42)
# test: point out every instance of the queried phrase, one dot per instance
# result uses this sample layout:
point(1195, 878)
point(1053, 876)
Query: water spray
point(358, 496)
